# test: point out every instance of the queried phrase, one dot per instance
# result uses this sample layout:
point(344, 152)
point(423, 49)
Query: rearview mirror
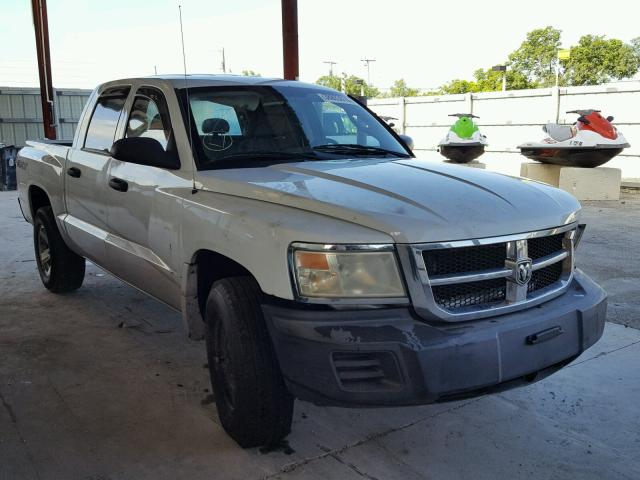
point(144, 151)
point(408, 141)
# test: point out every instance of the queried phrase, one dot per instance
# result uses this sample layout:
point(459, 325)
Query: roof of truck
point(204, 80)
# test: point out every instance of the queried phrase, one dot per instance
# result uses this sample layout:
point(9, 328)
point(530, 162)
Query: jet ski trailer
point(590, 142)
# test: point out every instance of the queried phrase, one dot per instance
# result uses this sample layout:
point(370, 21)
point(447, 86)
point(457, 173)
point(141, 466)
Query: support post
point(555, 99)
point(290, 39)
point(469, 102)
point(40, 24)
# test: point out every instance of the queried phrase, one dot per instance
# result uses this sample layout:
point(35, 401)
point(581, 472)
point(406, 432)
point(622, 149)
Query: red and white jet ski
point(590, 142)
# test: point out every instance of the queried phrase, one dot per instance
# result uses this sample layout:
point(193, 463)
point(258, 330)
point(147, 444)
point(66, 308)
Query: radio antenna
point(188, 109)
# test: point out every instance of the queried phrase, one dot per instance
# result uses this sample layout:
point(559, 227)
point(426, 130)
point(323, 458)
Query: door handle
point(74, 172)
point(118, 184)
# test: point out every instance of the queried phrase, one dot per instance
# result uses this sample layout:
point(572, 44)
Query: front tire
point(61, 270)
point(254, 405)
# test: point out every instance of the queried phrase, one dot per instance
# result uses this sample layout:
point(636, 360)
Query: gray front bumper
point(425, 363)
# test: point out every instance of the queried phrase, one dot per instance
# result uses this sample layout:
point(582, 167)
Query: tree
point(598, 60)
point(537, 56)
point(635, 44)
point(353, 85)
point(330, 81)
point(458, 86)
point(250, 73)
point(487, 81)
point(491, 81)
point(400, 89)
point(593, 61)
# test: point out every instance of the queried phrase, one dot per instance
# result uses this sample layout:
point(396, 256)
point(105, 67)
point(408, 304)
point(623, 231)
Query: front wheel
point(61, 270)
point(254, 405)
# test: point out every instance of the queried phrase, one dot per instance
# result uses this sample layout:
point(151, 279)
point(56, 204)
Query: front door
point(143, 215)
point(86, 176)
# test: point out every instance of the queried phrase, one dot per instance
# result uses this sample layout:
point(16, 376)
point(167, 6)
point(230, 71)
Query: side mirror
point(408, 141)
point(144, 151)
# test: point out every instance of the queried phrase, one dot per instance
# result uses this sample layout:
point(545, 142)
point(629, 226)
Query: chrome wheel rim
point(44, 252)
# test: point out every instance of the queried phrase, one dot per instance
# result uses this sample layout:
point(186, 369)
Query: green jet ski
point(463, 142)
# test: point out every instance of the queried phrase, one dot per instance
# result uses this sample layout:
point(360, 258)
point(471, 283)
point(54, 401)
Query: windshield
point(250, 125)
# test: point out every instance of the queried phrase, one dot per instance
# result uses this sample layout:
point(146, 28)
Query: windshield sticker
point(334, 98)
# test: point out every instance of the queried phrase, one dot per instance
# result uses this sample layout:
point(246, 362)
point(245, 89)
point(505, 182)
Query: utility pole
point(290, 39)
point(155, 69)
point(367, 62)
point(40, 24)
point(331, 64)
point(224, 62)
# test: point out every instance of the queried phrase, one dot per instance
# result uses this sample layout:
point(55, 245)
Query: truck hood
point(411, 200)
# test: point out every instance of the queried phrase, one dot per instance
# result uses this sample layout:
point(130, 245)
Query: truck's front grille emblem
point(522, 271)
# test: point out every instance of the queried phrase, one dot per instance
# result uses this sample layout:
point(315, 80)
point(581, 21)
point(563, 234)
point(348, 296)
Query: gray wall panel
point(21, 113)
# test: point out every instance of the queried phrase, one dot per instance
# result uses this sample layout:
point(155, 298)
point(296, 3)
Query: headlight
point(339, 271)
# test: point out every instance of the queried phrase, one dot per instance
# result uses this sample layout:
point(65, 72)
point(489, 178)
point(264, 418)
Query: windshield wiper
point(356, 149)
point(269, 156)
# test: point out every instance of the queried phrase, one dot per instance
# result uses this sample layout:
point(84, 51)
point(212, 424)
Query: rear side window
point(103, 123)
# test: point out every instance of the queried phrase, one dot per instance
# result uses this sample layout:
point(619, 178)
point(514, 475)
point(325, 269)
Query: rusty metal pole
point(40, 24)
point(290, 39)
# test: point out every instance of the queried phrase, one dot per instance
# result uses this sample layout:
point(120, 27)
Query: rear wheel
point(254, 405)
point(61, 270)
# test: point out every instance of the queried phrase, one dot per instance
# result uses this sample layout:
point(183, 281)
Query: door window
point(104, 121)
point(149, 117)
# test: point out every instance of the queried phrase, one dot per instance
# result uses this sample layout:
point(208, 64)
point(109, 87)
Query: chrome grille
point(465, 259)
point(475, 278)
point(458, 295)
point(543, 246)
point(544, 277)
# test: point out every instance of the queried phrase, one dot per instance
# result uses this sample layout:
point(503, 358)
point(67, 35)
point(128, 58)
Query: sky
point(426, 43)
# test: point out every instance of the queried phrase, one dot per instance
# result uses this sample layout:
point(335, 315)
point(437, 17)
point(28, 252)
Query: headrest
point(215, 125)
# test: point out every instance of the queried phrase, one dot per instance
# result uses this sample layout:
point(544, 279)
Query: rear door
point(86, 182)
point(143, 213)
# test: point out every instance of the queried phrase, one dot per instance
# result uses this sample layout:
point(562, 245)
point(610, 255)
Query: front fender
point(257, 234)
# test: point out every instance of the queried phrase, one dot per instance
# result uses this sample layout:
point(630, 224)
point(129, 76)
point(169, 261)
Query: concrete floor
point(102, 385)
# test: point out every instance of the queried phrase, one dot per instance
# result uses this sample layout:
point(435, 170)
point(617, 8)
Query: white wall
point(513, 117)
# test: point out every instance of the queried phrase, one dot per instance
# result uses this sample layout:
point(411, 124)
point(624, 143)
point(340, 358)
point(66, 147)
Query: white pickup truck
point(298, 234)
